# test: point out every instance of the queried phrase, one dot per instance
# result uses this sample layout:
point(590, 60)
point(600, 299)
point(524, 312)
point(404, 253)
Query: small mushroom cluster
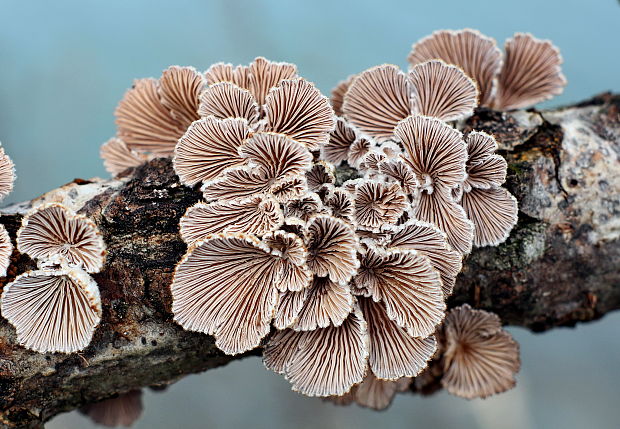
point(57, 307)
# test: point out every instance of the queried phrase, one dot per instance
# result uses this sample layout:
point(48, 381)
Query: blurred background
point(65, 65)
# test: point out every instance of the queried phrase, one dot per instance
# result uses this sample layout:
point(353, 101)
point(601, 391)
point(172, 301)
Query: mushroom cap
point(122, 410)
point(53, 310)
point(377, 204)
point(291, 255)
point(485, 169)
point(305, 207)
point(225, 72)
point(53, 230)
point(374, 392)
point(393, 353)
point(341, 204)
point(433, 149)
point(531, 73)
point(442, 91)
point(377, 100)
point(429, 241)
point(117, 157)
point(258, 214)
point(358, 150)
point(289, 307)
point(6, 250)
point(154, 114)
point(209, 147)
point(228, 286)
point(297, 109)
point(271, 158)
point(225, 286)
point(226, 100)
point(321, 173)
point(327, 303)
point(336, 150)
point(493, 211)
point(476, 54)
point(289, 187)
point(397, 170)
point(406, 284)
point(324, 362)
point(265, 75)
point(7, 174)
point(179, 89)
point(440, 209)
point(337, 95)
point(332, 248)
point(479, 358)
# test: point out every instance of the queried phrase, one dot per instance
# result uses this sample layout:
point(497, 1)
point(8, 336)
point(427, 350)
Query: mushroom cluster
point(352, 276)
point(56, 307)
point(529, 71)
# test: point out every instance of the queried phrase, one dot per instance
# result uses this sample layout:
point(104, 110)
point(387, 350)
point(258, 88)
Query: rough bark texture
point(559, 266)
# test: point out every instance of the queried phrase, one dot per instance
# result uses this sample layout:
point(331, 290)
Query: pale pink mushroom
point(52, 230)
point(257, 215)
point(341, 138)
point(53, 310)
point(117, 157)
point(323, 362)
point(528, 73)
point(429, 241)
point(7, 174)
point(379, 98)
point(377, 204)
point(6, 250)
point(476, 54)
point(437, 155)
point(154, 114)
point(209, 147)
point(332, 248)
point(406, 284)
point(122, 410)
point(491, 208)
point(479, 358)
point(244, 273)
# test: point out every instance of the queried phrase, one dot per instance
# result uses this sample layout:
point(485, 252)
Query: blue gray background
point(65, 64)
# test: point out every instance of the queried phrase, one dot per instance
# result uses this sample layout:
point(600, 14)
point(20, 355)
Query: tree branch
point(558, 267)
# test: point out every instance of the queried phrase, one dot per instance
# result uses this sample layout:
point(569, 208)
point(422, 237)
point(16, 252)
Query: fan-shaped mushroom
point(153, 114)
point(324, 362)
point(7, 174)
point(437, 155)
point(479, 358)
point(491, 208)
point(53, 310)
point(257, 215)
point(53, 230)
point(332, 248)
point(529, 73)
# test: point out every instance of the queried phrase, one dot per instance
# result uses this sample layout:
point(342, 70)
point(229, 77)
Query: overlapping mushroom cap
point(56, 308)
point(53, 310)
point(529, 71)
point(491, 208)
point(52, 230)
point(379, 98)
point(479, 358)
point(152, 116)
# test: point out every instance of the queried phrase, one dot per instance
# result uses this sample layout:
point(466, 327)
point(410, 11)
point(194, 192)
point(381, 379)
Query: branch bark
point(559, 266)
